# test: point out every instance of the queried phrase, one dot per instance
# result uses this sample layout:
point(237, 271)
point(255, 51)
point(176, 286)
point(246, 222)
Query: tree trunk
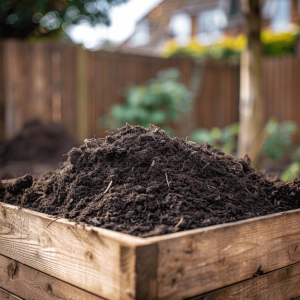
point(251, 114)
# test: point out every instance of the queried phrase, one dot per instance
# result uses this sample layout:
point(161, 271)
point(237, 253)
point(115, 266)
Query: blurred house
point(205, 20)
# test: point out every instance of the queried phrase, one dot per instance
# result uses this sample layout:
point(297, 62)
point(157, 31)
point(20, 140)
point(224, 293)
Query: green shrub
point(280, 139)
point(225, 138)
point(291, 172)
point(161, 101)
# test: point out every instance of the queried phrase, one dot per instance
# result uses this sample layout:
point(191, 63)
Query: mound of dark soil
point(37, 148)
point(141, 182)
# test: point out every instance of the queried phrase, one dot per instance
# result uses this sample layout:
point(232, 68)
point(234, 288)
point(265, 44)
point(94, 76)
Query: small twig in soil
point(167, 180)
point(183, 165)
point(51, 222)
point(205, 166)
point(108, 187)
point(247, 190)
point(86, 220)
point(211, 186)
point(178, 224)
point(40, 198)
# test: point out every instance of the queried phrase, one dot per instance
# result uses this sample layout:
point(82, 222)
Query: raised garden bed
point(46, 258)
point(152, 222)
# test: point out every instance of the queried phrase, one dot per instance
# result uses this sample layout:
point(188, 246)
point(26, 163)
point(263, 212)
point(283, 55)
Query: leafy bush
point(291, 172)
point(279, 140)
point(277, 147)
point(225, 138)
point(160, 101)
point(274, 44)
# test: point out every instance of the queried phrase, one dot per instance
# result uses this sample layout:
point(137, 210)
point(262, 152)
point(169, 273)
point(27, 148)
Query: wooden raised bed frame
point(46, 258)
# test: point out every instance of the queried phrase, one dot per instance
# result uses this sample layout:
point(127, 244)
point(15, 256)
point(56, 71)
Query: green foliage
point(38, 18)
point(278, 44)
point(279, 140)
point(291, 172)
point(161, 102)
point(277, 146)
point(225, 138)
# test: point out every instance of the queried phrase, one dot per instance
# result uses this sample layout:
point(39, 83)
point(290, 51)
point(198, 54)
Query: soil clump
point(144, 183)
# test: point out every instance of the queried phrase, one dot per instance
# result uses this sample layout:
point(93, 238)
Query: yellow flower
point(236, 44)
point(169, 48)
point(273, 37)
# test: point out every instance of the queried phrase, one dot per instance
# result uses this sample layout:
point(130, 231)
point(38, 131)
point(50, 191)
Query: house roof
point(159, 19)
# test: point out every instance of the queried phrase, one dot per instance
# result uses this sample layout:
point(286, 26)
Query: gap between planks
point(5, 295)
point(201, 260)
point(29, 283)
point(281, 284)
point(90, 258)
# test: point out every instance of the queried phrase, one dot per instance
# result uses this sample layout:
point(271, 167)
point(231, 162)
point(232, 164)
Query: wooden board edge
point(146, 272)
point(279, 284)
point(118, 236)
point(26, 282)
point(187, 233)
point(224, 254)
point(8, 296)
point(81, 255)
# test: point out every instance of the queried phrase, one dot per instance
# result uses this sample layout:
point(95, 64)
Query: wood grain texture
point(283, 284)
point(81, 255)
point(31, 284)
point(175, 266)
point(146, 265)
point(5, 295)
point(194, 262)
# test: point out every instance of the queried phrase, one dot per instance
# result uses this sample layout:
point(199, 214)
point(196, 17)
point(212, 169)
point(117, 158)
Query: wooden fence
point(63, 83)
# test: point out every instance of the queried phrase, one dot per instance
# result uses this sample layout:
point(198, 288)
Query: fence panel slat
point(64, 83)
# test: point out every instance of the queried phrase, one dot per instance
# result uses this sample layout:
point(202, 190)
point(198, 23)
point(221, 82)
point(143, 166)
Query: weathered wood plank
point(8, 296)
point(198, 261)
point(146, 267)
point(175, 266)
point(90, 258)
point(29, 283)
point(282, 284)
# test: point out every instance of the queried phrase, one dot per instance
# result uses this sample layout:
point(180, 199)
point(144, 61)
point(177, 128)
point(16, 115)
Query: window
point(279, 13)
point(181, 27)
point(210, 25)
point(142, 35)
point(233, 8)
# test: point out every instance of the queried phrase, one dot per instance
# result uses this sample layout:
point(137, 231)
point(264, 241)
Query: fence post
point(2, 93)
point(81, 97)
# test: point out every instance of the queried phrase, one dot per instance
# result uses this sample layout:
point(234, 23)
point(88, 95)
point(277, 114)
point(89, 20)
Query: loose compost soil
point(35, 149)
point(144, 183)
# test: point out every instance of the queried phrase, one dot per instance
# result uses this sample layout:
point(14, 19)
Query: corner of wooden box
point(139, 271)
